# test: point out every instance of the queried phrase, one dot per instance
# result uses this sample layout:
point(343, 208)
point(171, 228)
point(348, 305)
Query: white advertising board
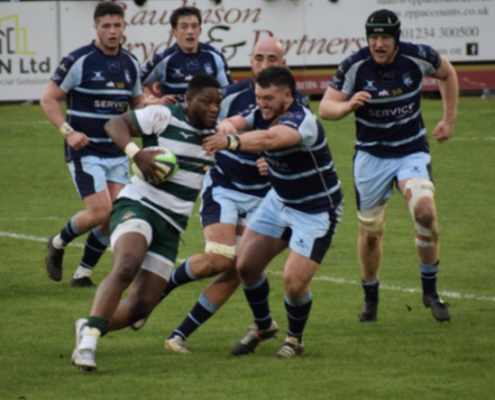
point(315, 33)
point(28, 49)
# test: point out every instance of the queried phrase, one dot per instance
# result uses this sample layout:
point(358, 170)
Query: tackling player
point(300, 211)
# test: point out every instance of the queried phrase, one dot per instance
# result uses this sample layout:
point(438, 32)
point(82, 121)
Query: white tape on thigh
point(158, 264)
point(133, 225)
point(373, 220)
point(221, 249)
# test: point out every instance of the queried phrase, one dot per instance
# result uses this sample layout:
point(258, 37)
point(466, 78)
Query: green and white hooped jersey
point(167, 126)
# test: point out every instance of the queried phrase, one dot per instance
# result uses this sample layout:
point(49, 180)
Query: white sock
point(82, 272)
point(58, 243)
point(90, 338)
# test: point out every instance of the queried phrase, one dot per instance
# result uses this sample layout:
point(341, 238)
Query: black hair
point(202, 81)
point(184, 12)
point(277, 76)
point(107, 8)
point(383, 23)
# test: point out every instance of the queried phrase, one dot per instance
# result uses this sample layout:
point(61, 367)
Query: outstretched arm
point(335, 106)
point(449, 88)
point(277, 137)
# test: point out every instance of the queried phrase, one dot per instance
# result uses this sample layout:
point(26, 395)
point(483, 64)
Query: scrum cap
point(383, 23)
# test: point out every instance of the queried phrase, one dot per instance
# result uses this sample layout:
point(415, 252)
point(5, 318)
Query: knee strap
point(373, 220)
point(221, 249)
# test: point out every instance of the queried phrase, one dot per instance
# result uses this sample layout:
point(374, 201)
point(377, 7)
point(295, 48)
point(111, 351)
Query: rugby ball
point(166, 160)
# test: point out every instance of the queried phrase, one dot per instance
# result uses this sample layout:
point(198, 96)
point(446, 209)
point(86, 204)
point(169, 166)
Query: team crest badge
point(128, 215)
point(208, 68)
point(406, 78)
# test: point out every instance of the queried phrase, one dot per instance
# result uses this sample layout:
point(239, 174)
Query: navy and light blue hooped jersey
point(303, 176)
point(390, 124)
point(174, 69)
point(98, 87)
point(238, 171)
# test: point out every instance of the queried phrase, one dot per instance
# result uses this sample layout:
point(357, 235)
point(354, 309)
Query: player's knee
point(372, 222)
point(126, 266)
point(140, 307)
point(371, 238)
point(419, 194)
point(424, 213)
point(294, 287)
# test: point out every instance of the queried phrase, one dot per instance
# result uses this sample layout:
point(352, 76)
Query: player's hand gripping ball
point(165, 160)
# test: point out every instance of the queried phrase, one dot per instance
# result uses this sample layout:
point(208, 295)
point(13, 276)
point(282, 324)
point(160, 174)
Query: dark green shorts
point(165, 238)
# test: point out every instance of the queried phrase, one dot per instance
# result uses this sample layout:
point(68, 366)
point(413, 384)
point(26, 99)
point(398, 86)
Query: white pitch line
point(471, 139)
point(395, 288)
point(341, 281)
point(32, 238)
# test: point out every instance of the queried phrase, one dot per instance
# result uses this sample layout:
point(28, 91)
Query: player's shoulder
point(166, 53)
point(421, 51)
point(208, 47)
point(243, 86)
point(128, 54)
point(301, 99)
point(80, 52)
point(359, 57)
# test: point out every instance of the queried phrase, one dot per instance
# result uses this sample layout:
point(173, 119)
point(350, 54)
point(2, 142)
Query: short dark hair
point(107, 8)
point(277, 76)
point(184, 12)
point(202, 81)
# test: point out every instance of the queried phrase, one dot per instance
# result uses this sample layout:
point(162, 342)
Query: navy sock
point(371, 290)
point(297, 314)
point(257, 297)
point(96, 244)
point(70, 232)
point(429, 277)
point(180, 276)
point(200, 313)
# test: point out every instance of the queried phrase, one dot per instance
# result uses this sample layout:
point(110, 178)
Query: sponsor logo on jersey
point(397, 112)
point(110, 84)
point(127, 76)
point(383, 93)
point(104, 106)
point(186, 135)
point(188, 78)
point(177, 73)
point(113, 66)
point(369, 86)
point(97, 76)
point(62, 66)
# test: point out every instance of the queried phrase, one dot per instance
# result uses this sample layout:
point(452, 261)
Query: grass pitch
point(405, 355)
